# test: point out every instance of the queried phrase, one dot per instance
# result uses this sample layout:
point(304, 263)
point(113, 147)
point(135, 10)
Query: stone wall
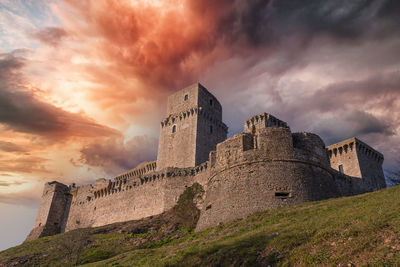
point(210, 132)
point(192, 128)
point(371, 166)
point(246, 178)
point(177, 142)
point(353, 158)
point(345, 154)
point(53, 210)
point(122, 200)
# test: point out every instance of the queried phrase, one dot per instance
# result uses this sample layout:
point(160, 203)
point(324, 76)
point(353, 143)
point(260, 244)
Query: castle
point(264, 167)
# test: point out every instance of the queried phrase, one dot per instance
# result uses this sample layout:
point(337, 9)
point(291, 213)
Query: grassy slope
point(360, 230)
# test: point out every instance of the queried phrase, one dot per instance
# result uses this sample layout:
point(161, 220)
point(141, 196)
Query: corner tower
point(192, 128)
point(53, 211)
point(355, 158)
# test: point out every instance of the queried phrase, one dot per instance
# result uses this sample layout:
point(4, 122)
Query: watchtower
point(355, 158)
point(192, 128)
point(51, 217)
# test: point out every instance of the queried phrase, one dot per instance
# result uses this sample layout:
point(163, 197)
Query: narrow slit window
point(186, 97)
point(174, 129)
point(281, 194)
point(211, 102)
point(211, 129)
point(341, 169)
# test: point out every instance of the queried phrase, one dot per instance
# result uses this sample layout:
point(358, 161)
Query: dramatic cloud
point(116, 156)
point(22, 111)
point(134, 53)
point(163, 48)
point(345, 104)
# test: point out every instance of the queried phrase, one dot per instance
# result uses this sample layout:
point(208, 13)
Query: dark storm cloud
point(350, 123)
point(50, 35)
point(342, 109)
point(272, 21)
point(366, 123)
point(346, 104)
point(21, 111)
point(115, 156)
point(380, 90)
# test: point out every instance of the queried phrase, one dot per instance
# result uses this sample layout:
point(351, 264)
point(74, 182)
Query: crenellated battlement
point(347, 146)
point(174, 118)
point(261, 121)
point(121, 185)
point(142, 169)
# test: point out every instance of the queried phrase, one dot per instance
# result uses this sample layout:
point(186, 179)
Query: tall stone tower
point(52, 213)
point(355, 158)
point(192, 128)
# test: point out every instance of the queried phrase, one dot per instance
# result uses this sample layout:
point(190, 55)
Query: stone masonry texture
point(265, 167)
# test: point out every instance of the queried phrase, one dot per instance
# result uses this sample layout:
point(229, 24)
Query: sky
point(83, 83)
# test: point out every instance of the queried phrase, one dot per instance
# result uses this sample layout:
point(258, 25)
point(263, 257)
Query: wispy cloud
point(12, 147)
point(50, 35)
point(7, 183)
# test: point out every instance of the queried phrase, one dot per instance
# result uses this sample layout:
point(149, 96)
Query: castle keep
point(264, 167)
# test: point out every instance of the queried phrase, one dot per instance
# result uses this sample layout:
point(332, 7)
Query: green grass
point(362, 230)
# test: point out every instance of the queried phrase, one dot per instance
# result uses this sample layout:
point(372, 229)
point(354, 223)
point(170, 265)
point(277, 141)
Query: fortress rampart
point(265, 167)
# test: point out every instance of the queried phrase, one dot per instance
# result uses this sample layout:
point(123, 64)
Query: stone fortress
point(266, 166)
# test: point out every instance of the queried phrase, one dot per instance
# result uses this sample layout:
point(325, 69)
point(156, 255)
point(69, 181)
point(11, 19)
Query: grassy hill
point(350, 231)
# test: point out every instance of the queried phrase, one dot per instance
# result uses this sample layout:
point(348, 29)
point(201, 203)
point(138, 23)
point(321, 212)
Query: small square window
point(186, 97)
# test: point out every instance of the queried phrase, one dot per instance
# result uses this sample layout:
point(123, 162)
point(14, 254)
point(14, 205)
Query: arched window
point(186, 97)
point(211, 102)
point(174, 129)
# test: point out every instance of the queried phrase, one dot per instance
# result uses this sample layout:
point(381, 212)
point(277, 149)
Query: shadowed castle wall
point(246, 178)
point(356, 160)
point(109, 202)
point(53, 210)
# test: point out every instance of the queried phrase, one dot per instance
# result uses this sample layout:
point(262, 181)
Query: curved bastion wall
point(270, 169)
